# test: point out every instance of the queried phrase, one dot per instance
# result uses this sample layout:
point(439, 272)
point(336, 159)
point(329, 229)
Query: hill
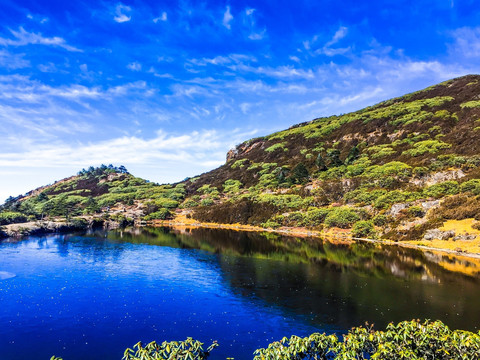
point(398, 170)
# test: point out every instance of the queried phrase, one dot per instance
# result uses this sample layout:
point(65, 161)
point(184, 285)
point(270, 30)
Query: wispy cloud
point(122, 13)
point(23, 38)
point(135, 66)
point(227, 18)
point(466, 42)
point(13, 61)
point(162, 17)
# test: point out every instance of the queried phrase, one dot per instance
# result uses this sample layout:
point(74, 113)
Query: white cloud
point(162, 17)
point(327, 48)
point(23, 37)
point(135, 66)
point(249, 11)
point(227, 18)
point(121, 12)
point(257, 35)
point(467, 42)
point(13, 61)
point(47, 68)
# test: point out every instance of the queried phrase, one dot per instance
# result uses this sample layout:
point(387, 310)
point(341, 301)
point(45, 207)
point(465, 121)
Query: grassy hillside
point(106, 192)
point(395, 170)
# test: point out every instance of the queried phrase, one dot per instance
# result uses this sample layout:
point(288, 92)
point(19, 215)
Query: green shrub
point(406, 340)
point(206, 202)
point(471, 186)
point(161, 214)
point(342, 217)
point(442, 189)
point(11, 217)
point(363, 229)
point(278, 146)
point(470, 104)
point(183, 350)
point(427, 146)
point(416, 211)
point(380, 220)
point(189, 203)
point(315, 217)
point(232, 186)
point(393, 168)
point(239, 164)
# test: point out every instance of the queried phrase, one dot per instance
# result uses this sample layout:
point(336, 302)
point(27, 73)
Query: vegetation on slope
point(105, 192)
point(395, 169)
point(392, 170)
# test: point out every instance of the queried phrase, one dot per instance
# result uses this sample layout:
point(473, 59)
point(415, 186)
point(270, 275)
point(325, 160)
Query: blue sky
point(167, 87)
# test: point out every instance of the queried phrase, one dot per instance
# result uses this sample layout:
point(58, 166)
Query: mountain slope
point(396, 169)
point(385, 166)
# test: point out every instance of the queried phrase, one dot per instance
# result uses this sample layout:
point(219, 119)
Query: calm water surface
point(91, 296)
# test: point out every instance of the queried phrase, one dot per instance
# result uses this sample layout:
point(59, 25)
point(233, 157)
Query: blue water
point(91, 297)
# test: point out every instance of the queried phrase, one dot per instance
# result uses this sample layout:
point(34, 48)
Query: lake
point(90, 296)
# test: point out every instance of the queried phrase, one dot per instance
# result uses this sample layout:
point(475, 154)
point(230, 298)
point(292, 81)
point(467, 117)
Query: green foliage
point(10, 217)
point(284, 201)
point(342, 217)
point(471, 186)
point(299, 174)
point(378, 151)
point(278, 146)
point(188, 349)
point(411, 340)
point(333, 156)
point(470, 104)
point(160, 214)
point(363, 229)
point(239, 164)
point(380, 220)
point(315, 217)
point(353, 155)
point(232, 186)
point(271, 224)
point(315, 346)
point(427, 146)
point(320, 163)
point(207, 189)
point(206, 202)
point(189, 203)
point(442, 189)
point(395, 196)
point(416, 211)
point(393, 168)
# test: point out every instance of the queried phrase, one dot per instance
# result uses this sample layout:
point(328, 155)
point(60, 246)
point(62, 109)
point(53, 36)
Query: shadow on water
point(336, 284)
point(91, 295)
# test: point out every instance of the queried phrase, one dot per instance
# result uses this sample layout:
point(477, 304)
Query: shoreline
point(47, 227)
point(303, 232)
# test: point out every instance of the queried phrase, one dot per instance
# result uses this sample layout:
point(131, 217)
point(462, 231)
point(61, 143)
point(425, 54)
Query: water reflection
point(75, 294)
point(334, 284)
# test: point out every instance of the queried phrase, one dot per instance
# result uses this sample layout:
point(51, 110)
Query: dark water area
point(90, 296)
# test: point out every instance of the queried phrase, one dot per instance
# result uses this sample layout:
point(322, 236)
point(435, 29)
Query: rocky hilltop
point(400, 170)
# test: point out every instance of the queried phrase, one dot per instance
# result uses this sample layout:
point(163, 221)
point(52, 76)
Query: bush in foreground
point(411, 340)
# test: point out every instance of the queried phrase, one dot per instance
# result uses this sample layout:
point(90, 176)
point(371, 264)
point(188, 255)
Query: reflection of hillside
point(361, 258)
point(333, 283)
point(325, 282)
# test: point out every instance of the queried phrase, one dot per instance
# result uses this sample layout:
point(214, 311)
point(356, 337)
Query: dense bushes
point(363, 229)
point(406, 340)
point(10, 217)
point(342, 217)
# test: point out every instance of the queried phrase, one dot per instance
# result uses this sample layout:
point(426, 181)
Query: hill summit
point(399, 170)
